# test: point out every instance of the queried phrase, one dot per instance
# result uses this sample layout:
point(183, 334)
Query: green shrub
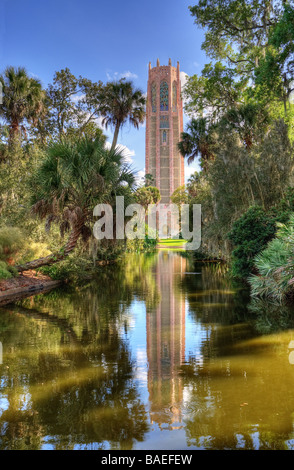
point(249, 235)
point(11, 241)
point(254, 229)
point(33, 250)
point(150, 242)
point(146, 244)
point(275, 266)
point(81, 265)
point(6, 271)
point(74, 269)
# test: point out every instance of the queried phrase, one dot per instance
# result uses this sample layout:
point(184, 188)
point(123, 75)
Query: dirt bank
point(26, 284)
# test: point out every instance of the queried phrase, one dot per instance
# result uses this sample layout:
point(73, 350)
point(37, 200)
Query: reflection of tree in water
point(108, 297)
point(213, 296)
point(20, 427)
point(69, 378)
point(240, 394)
point(89, 394)
point(240, 401)
point(271, 316)
point(138, 277)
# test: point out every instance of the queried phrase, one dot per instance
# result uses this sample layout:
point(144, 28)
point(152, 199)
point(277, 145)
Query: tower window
point(164, 137)
point(164, 122)
point(153, 97)
point(174, 96)
point(163, 96)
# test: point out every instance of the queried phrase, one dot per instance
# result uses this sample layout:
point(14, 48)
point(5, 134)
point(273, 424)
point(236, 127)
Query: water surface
point(158, 353)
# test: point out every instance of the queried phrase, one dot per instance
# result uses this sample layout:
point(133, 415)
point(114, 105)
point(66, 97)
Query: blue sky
point(101, 40)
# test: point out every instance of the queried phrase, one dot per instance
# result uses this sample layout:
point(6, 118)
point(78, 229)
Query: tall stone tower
point(164, 125)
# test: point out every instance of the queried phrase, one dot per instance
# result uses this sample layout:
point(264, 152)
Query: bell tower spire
point(164, 125)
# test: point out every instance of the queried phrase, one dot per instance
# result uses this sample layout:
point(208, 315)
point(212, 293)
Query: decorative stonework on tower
point(164, 125)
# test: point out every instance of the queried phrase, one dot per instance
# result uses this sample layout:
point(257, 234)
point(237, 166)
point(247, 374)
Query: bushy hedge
point(254, 230)
point(249, 235)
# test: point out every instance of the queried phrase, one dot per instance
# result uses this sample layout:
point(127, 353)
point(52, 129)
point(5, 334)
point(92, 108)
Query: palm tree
point(23, 99)
point(197, 141)
point(121, 102)
point(72, 179)
point(249, 121)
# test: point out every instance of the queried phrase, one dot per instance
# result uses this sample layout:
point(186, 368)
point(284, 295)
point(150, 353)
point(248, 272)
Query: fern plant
point(275, 266)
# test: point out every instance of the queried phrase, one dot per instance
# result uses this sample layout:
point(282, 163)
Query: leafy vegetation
point(56, 166)
point(275, 267)
point(56, 163)
point(241, 128)
point(70, 181)
point(23, 101)
point(249, 235)
point(119, 102)
point(147, 195)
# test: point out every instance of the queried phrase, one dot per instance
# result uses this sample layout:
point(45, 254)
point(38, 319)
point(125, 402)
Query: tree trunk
point(115, 137)
point(14, 131)
point(60, 255)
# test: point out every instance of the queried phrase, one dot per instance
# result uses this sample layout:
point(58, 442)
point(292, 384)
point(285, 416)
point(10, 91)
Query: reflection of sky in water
point(158, 439)
point(3, 404)
point(137, 340)
point(196, 335)
point(162, 437)
point(201, 377)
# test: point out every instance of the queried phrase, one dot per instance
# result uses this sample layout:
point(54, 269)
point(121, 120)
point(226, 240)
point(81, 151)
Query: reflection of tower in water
point(166, 342)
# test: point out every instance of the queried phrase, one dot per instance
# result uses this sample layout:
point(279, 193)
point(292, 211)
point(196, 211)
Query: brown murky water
point(156, 354)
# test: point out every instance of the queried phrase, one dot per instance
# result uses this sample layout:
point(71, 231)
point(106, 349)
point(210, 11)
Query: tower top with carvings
point(164, 70)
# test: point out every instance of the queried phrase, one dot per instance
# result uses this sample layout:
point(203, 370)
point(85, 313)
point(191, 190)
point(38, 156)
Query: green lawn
point(172, 242)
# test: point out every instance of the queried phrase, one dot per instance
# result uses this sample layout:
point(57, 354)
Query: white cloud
point(127, 153)
point(77, 98)
point(118, 76)
point(140, 175)
point(108, 145)
point(128, 74)
point(184, 78)
point(129, 159)
point(190, 169)
point(98, 120)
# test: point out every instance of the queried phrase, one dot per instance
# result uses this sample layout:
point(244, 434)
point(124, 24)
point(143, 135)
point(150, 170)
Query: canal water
point(156, 353)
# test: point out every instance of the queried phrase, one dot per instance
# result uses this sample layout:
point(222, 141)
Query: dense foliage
point(56, 166)
point(275, 267)
point(241, 130)
point(249, 235)
point(55, 159)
